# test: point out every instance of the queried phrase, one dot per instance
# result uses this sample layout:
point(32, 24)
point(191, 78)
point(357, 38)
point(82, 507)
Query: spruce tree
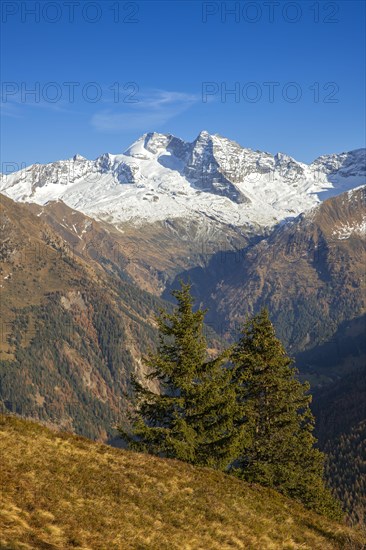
point(280, 450)
point(194, 415)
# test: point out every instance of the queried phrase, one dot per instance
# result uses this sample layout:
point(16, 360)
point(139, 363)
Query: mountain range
point(161, 177)
point(91, 249)
point(248, 228)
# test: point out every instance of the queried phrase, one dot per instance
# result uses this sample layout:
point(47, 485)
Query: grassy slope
point(62, 491)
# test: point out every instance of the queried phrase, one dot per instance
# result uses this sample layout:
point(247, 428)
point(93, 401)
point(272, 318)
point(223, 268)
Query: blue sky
point(106, 72)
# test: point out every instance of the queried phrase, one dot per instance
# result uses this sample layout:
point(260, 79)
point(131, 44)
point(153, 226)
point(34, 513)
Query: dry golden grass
point(60, 491)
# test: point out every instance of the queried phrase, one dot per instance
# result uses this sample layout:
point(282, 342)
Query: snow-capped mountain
point(162, 177)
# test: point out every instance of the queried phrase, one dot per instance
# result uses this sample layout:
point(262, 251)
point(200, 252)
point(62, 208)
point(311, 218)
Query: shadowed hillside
point(310, 274)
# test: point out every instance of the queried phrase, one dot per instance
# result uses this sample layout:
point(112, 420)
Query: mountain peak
point(203, 136)
point(149, 142)
point(78, 157)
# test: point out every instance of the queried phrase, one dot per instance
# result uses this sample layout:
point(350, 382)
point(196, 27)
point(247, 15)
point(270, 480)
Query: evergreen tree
point(280, 450)
point(194, 416)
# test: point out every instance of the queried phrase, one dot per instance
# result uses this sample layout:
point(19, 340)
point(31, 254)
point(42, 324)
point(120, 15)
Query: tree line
point(243, 411)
